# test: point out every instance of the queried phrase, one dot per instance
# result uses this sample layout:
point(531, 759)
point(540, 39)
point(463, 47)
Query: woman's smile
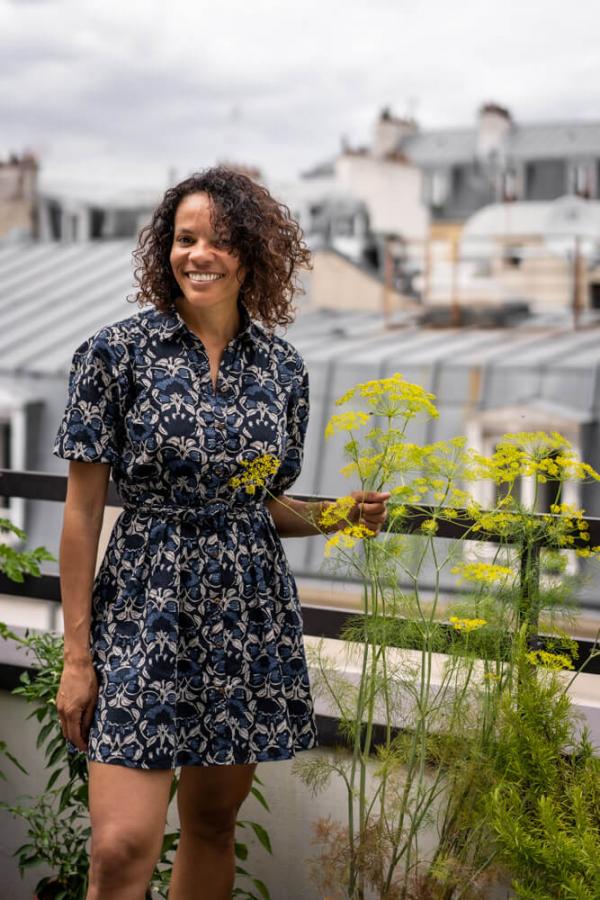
point(202, 277)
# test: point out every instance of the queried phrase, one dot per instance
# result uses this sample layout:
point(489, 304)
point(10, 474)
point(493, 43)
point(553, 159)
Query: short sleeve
point(92, 425)
point(297, 423)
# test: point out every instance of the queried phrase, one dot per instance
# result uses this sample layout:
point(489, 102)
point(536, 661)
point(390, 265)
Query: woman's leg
point(208, 799)
point(128, 810)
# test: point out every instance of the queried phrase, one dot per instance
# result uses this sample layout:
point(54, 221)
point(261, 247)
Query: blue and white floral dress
point(196, 625)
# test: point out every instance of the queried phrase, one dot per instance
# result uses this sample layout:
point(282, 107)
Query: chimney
point(494, 126)
point(390, 133)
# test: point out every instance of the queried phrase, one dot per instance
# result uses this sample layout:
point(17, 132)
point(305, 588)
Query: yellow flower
point(336, 511)
point(549, 660)
point(501, 523)
point(347, 421)
point(347, 537)
point(429, 526)
point(257, 472)
point(485, 573)
point(364, 466)
point(467, 625)
point(392, 397)
point(535, 453)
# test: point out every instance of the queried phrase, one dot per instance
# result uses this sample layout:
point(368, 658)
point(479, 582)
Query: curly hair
point(250, 223)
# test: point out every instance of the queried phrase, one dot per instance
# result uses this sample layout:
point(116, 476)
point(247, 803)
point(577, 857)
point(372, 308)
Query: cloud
point(126, 90)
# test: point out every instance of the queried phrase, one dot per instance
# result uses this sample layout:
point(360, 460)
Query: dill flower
point(587, 552)
point(347, 537)
point(337, 511)
point(347, 421)
point(535, 453)
point(429, 526)
point(547, 660)
point(502, 523)
point(484, 573)
point(450, 513)
point(466, 625)
point(257, 471)
point(392, 396)
point(365, 466)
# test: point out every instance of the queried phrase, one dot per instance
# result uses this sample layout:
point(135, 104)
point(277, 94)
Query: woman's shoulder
point(282, 349)
point(118, 338)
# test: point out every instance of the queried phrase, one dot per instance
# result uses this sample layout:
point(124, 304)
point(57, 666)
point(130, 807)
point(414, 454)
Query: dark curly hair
point(251, 223)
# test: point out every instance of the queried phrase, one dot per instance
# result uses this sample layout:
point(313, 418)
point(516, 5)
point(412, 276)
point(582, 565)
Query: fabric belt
point(215, 513)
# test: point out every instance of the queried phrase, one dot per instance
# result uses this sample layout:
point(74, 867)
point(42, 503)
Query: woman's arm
point(298, 518)
point(84, 509)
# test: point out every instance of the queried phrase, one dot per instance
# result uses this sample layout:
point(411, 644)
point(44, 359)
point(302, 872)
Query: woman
point(186, 650)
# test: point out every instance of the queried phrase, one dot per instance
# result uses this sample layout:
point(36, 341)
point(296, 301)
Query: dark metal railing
point(318, 621)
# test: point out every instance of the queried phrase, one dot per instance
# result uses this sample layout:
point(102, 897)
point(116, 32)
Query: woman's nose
point(201, 250)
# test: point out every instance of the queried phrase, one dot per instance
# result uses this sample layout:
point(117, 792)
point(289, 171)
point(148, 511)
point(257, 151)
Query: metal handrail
point(319, 621)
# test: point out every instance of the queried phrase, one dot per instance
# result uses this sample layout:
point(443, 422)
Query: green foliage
point(57, 825)
point(545, 807)
point(16, 564)
point(479, 741)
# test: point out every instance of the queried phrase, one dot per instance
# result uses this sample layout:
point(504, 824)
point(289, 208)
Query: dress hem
point(255, 758)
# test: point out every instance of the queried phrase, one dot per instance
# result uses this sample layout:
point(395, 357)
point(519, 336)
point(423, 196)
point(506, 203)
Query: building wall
point(18, 186)
point(338, 284)
point(391, 189)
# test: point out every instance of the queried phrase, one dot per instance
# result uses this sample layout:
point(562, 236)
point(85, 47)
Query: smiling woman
point(186, 650)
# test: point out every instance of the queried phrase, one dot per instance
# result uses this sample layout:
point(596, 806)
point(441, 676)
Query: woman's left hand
point(370, 509)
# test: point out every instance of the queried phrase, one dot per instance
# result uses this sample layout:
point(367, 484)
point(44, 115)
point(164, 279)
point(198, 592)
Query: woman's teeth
point(203, 276)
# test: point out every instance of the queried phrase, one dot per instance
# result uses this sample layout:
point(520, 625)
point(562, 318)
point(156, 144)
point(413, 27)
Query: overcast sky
point(115, 93)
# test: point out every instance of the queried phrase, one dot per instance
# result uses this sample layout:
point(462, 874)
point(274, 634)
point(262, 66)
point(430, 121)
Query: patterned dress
point(196, 631)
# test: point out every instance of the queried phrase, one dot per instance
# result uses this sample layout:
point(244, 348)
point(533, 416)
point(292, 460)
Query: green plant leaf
point(52, 780)
point(240, 871)
point(262, 835)
point(262, 888)
point(44, 733)
point(6, 752)
point(260, 797)
point(241, 851)
point(170, 841)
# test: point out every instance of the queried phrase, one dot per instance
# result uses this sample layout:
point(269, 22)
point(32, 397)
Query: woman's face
point(208, 275)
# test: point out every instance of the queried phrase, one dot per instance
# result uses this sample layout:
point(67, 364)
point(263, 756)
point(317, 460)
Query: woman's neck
point(214, 326)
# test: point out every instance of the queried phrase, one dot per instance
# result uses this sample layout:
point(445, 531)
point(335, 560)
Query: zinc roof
point(544, 140)
point(53, 296)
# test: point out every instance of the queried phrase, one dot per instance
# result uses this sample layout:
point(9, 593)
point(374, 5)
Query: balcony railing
point(318, 621)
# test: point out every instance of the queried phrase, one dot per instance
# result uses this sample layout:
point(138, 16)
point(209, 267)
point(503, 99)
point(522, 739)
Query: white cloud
point(126, 90)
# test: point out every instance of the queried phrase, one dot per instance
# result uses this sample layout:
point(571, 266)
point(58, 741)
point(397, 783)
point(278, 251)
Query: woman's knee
point(215, 825)
point(209, 799)
point(121, 855)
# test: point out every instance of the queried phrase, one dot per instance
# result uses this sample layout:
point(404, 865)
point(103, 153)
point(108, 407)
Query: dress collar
point(169, 323)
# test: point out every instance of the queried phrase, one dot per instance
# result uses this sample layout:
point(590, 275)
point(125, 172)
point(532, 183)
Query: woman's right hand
point(76, 701)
